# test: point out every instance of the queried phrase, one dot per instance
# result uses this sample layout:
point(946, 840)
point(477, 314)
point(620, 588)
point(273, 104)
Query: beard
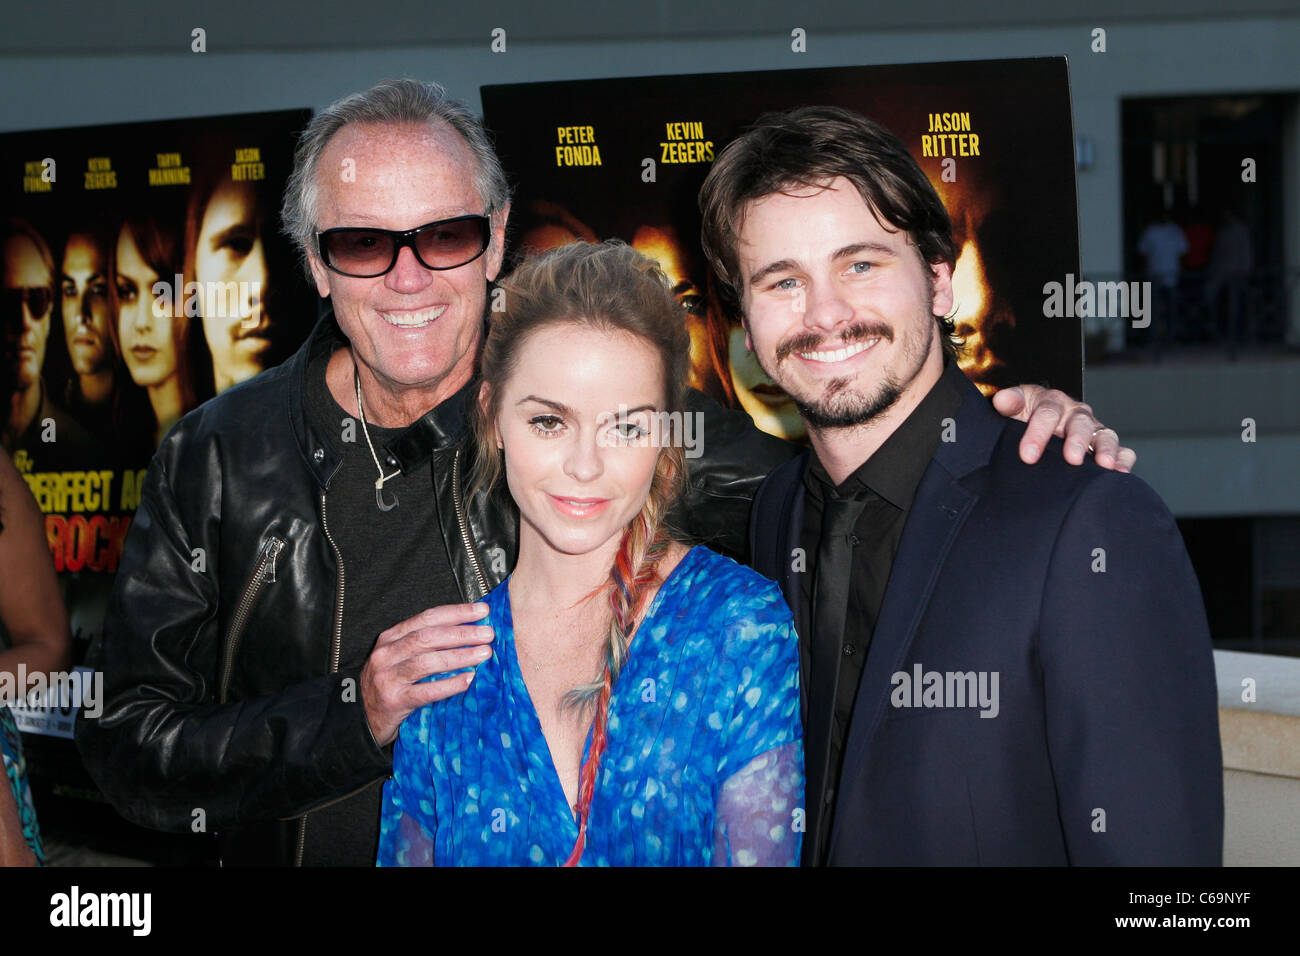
point(842, 404)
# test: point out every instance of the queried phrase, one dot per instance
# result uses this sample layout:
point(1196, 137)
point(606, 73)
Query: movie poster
point(625, 158)
point(143, 274)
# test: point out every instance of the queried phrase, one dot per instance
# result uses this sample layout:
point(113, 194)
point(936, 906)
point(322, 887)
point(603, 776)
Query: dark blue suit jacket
point(1105, 744)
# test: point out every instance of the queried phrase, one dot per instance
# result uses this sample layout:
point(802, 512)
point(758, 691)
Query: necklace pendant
point(379, 499)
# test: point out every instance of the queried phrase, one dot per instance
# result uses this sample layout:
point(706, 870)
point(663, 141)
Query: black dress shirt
point(886, 484)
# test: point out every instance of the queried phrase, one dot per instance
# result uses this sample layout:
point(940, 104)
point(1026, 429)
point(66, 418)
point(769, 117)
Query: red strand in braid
point(629, 592)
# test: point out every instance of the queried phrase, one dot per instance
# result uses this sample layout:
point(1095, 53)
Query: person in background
point(153, 333)
point(97, 392)
point(1200, 239)
point(228, 256)
point(1231, 261)
point(33, 423)
point(35, 627)
point(1162, 245)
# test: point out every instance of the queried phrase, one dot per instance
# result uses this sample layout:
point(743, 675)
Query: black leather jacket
point(225, 707)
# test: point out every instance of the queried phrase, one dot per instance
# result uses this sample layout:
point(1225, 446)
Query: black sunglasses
point(38, 300)
point(367, 253)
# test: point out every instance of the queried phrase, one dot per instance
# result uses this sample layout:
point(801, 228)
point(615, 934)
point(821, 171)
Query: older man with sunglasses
point(305, 547)
point(32, 423)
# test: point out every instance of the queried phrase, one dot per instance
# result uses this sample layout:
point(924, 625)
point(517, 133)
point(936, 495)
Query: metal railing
point(1229, 316)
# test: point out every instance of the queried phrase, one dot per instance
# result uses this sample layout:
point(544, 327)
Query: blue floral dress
point(704, 760)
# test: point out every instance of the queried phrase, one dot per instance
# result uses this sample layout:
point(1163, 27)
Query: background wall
point(68, 64)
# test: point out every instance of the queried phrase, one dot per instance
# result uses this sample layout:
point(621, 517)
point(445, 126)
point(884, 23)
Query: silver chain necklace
point(379, 482)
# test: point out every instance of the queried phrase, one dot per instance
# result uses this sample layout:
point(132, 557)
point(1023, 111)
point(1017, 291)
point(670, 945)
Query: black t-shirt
point(395, 565)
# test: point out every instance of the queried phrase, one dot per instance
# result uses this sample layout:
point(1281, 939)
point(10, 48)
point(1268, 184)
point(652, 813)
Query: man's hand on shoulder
point(1048, 412)
point(435, 641)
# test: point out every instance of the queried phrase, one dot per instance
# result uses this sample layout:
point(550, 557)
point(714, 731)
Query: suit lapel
point(939, 511)
point(791, 582)
point(780, 500)
point(775, 552)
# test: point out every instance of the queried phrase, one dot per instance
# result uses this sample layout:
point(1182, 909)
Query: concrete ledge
point(1262, 826)
point(1185, 422)
point(1263, 735)
point(1207, 397)
point(1261, 758)
point(1260, 743)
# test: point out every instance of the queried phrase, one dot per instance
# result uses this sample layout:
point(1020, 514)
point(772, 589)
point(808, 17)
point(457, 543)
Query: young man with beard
point(1002, 664)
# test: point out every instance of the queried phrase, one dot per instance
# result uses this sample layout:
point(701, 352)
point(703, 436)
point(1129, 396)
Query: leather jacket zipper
point(264, 571)
point(330, 803)
point(336, 648)
point(464, 527)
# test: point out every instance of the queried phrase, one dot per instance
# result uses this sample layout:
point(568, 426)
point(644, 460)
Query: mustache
point(811, 342)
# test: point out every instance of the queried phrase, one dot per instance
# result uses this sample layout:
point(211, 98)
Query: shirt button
point(854, 540)
point(849, 650)
point(318, 454)
point(392, 462)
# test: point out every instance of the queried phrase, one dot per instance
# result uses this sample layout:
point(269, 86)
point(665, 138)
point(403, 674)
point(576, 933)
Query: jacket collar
point(318, 450)
point(977, 428)
point(440, 428)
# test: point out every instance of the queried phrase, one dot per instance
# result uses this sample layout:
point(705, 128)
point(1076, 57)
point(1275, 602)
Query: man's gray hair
point(397, 102)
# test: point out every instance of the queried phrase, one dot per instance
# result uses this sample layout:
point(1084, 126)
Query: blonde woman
point(640, 704)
